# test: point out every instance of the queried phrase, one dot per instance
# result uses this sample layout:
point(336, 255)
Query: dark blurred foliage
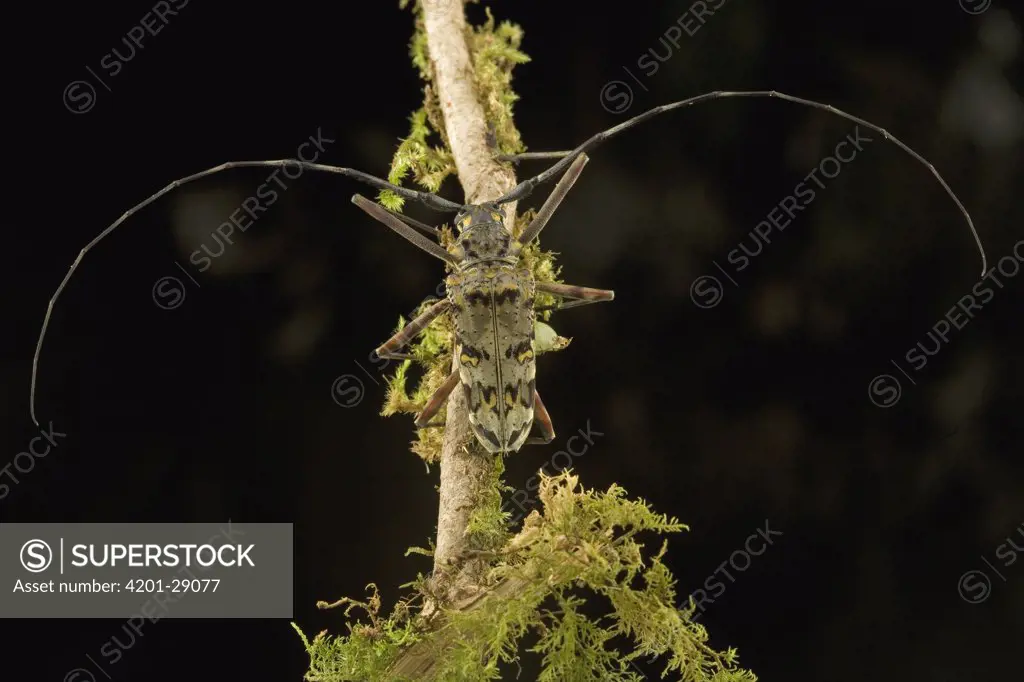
point(755, 409)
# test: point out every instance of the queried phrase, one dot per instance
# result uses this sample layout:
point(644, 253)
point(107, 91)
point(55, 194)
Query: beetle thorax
point(482, 235)
point(486, 242)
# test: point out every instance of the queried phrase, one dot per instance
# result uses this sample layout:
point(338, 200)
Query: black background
point(755, 409)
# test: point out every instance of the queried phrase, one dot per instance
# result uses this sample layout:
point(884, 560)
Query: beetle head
point(475, 215)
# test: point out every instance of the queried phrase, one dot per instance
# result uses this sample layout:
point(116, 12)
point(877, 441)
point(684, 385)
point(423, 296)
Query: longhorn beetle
point(491, 298)
point(492, 302)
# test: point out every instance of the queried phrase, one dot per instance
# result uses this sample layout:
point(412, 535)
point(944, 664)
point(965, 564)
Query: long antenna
point(523, 189)
point(431, 200)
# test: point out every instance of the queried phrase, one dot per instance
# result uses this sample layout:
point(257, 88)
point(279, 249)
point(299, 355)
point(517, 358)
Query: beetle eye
point(464, 221)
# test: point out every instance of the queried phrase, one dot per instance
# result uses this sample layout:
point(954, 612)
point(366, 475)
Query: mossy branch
point(467, 94)
point(489, 588)
point(492, 52)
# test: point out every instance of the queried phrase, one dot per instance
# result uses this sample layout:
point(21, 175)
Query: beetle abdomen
point(494, 327)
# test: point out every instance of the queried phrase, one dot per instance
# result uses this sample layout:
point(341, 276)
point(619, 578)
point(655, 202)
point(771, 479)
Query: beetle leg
point(438, 399)
point(412, 222)
point(492, 143)
point(388, 349)
point(382, 215)
point(530, 156)
point(543, 421)
point(551, 204)
point(579, 295)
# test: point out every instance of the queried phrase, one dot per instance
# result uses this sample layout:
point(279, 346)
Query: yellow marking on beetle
point(496, 216)
point(524, 356)
point(491, 273)
point(466, 360)
point(493, 399)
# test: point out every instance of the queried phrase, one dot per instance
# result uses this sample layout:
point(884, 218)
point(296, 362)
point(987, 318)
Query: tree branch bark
point(465, 466)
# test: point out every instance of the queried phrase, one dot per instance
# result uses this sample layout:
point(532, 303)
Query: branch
point(466, 468)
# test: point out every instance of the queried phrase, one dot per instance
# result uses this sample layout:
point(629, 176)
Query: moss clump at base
point(581, 542)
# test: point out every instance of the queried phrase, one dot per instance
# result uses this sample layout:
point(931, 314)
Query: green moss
point(541, 263)
point(584, 544)
point(369, 648)
point(432, 350)
point(495, 52)
point(488, 524)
